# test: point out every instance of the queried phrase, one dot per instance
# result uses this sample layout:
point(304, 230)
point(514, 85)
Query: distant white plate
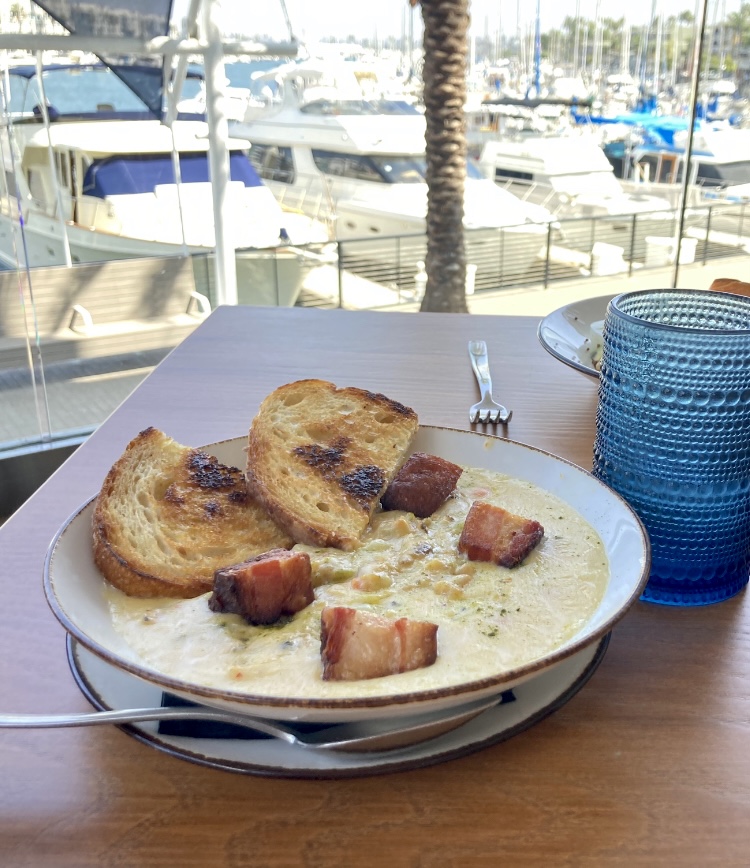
point(573, 333)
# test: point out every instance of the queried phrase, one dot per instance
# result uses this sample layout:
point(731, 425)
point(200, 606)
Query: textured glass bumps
point(673, 435)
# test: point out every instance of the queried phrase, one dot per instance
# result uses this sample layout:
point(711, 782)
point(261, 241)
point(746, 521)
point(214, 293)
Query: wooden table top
point(649, 764)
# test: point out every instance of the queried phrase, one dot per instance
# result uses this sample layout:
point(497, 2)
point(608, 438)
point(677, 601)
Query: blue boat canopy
point(140, 19)
point(142, 173)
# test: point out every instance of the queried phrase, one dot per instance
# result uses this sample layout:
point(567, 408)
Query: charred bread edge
point(301, 531)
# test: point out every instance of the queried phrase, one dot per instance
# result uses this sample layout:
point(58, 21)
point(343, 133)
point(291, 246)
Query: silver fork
point(487, 410)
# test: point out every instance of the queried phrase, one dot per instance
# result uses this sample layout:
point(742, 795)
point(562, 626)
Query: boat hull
point(264, 276)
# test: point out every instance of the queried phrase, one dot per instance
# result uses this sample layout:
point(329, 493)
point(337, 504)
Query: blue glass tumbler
point(673, 435)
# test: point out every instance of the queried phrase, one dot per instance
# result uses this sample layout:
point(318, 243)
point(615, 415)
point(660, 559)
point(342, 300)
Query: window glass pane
point(79, 338)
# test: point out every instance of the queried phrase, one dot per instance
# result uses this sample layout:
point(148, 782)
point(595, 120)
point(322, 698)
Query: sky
point(313, 20)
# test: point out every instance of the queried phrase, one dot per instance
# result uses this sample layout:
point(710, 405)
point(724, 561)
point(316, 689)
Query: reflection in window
point(273, 163)
point(724, 174)
point(389, 169)
point(352, 107)
point(357, 166)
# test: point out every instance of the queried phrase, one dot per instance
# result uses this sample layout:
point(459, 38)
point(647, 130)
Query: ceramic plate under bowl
point(76, 591)
point(573, 333)
point(109, 687)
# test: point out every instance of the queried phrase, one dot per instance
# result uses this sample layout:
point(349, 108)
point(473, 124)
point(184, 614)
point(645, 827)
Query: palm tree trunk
point(444, 79)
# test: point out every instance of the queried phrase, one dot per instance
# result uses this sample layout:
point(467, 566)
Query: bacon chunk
point(422, 484)
point(493, 534)
point(261, 590)
point(356, 645)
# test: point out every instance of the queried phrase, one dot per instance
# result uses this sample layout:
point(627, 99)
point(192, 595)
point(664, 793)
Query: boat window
point(502, 172)
point(661, 168)
point(83, 90)
point(723, 174)
point(142, 173)
point(352, 107)
point(10, 183)
point(20, 95)
point(272, 162)
point(388, 169)
point(358, 166)
point(36, 186)
point(61, 159)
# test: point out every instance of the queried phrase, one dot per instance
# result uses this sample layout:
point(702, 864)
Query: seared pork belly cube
point(356, 645)
point(261, 590)
point(421, 485)
point(493, 534)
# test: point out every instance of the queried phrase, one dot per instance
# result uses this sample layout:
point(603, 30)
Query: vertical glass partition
point(91, 297)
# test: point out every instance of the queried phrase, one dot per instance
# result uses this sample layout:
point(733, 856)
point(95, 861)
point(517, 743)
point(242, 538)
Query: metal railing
point(383, 271)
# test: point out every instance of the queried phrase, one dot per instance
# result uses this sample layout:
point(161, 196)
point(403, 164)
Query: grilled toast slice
point(169, 516)
point(320, 457)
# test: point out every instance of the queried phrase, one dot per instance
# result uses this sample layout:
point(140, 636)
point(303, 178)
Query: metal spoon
point(368, 735)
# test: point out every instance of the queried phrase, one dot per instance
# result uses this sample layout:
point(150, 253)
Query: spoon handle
point(132, 715)
point(363, 736)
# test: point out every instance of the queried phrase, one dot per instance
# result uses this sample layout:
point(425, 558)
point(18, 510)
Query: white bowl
point(76, 590)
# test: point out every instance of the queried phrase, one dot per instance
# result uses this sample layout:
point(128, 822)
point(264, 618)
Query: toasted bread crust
point(730, 284)
point(168, 516)
point(320, 457)
point(136, 583)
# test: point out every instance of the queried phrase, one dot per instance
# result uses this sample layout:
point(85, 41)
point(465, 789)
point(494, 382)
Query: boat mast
point(576, 39)
point(657, 53)
point(698, 48)
point(225, 267)
point(535, 88)
point(538, 49)
point(218, 153)
point(52, 167)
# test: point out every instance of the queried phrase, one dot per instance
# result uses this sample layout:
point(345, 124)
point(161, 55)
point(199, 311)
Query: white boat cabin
point(119, 178)
point(574, 168)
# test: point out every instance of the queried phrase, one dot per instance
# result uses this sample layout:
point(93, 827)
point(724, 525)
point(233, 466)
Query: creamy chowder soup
point(490, 618)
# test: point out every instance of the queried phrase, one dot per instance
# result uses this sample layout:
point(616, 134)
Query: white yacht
point(101, 186)
point(326, 150)
point(571, 172)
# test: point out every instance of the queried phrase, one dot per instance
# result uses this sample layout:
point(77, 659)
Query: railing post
point(708, 232)
point(501, 262)
point(276, 275)
point(546, 259)
point(632, 247)
point(340, 273)
point(398, 265)
point(742, 221)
